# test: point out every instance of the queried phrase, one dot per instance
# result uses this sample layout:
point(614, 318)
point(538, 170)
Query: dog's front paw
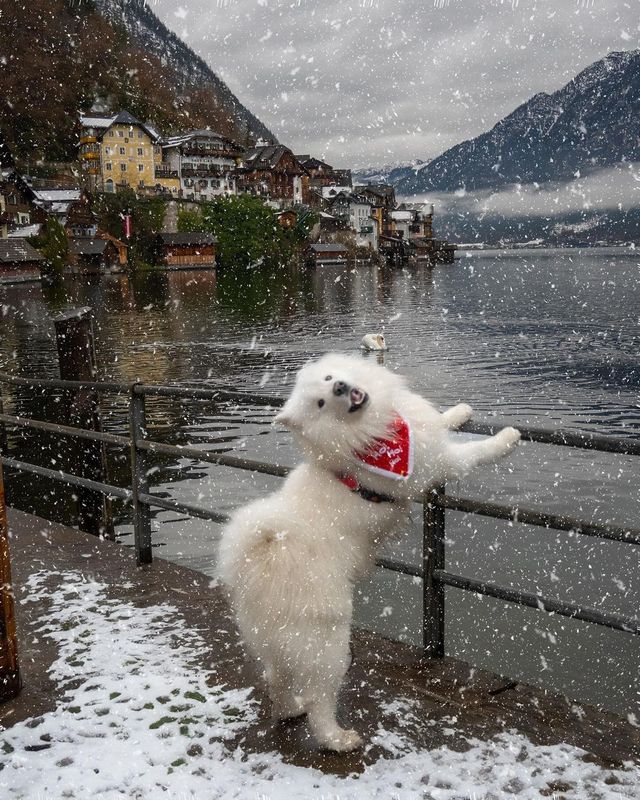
point(341, 741)
point(456, 417)
point(508, 438)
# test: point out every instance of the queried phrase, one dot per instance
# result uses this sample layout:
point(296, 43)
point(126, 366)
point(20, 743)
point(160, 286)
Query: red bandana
point(391, 457)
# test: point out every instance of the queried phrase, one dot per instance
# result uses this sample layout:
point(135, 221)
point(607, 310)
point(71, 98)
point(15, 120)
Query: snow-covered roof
point(402, 216)
point(358, 199)
point(14, 251)
point(121, 118)
point(25, 231)
point(86, 246)
point(152, 131)
point(332, 191)
point(203, 133)
point(264, 158)
point(96, 122)
point(56, 195)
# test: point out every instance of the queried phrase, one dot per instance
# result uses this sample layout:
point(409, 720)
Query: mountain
point(386, 174)
point(592, 122)
point(61, 57)
point(191, 73)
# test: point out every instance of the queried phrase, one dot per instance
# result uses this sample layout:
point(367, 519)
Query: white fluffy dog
point(290, 560)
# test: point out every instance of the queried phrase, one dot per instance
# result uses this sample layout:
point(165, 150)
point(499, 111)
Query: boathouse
point(19, 261)
point(96, 254)
point(188, 250)
point(330, 253)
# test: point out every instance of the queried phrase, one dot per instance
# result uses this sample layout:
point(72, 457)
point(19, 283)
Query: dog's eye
point(320, 403)
point(329, 377)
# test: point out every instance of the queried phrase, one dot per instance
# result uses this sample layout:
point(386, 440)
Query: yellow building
point(120, 151)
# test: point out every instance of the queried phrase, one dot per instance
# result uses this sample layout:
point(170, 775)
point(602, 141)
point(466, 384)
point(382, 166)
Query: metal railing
point(435, 501)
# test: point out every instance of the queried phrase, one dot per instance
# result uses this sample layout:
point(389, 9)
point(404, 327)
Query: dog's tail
point(251, 546)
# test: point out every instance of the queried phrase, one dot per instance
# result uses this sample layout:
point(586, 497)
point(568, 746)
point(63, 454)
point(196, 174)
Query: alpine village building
point(274, 173)
point(204, 162)
point(118, 151)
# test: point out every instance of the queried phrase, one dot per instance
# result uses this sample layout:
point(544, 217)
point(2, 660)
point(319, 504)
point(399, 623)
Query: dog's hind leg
point(321, 696)
point(464, 456)
point(456, 416)
point(281, 684)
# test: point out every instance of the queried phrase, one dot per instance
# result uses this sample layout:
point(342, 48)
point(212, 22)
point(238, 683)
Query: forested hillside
point(61, 56)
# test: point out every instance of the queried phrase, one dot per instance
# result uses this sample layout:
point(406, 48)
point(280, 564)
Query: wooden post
point(9, 669)
point(432, 560)
point(139, 480)
point(76, 353)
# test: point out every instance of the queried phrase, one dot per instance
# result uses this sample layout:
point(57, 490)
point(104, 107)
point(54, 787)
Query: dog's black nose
point(339, 388)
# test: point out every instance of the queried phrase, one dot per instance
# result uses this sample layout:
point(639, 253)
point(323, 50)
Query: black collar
point(369, 495)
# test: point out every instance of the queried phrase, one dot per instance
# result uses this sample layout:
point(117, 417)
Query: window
point(141, 183)
point(123, 167)
point(107, 151)
point(13, 200)
point(140, 151)
point(140, 167)
point(121, 134)
point(109, 185)
point(123, 150)
point(140, 134)
point(108, 166)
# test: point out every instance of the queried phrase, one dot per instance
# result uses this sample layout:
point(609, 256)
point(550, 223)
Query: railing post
point(139, 482)
point(432, 560)
point(9, 669)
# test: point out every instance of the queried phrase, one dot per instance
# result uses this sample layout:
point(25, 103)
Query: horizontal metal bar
point(399, 566)
point(584, 441)
point(528, 516)
point(65, 477)
point(550, 605)
point(57, 383)
point(66, 430)
point(183, 508)
point(221, 393)
point(212, 457)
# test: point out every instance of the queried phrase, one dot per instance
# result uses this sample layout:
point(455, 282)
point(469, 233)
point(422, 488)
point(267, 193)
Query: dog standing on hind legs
point(290, 560)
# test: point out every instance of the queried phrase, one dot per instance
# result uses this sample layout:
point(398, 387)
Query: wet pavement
point(389, 687)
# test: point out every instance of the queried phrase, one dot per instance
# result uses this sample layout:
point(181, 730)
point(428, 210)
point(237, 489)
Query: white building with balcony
point(205, 163)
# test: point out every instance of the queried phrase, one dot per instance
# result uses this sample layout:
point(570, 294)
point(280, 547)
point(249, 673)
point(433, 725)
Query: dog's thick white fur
point(290, 560)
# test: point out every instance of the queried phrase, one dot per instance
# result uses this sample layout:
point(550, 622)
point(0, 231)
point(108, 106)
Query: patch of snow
point(140, 718)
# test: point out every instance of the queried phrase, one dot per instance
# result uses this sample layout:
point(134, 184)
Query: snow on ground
point(139, 719)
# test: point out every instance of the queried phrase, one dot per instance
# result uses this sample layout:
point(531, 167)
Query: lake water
point(532, 337)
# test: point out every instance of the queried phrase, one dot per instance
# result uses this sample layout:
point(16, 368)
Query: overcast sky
point(373, 82)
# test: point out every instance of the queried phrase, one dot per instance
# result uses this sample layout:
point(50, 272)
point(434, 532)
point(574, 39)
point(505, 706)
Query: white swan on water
point(373, 341)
